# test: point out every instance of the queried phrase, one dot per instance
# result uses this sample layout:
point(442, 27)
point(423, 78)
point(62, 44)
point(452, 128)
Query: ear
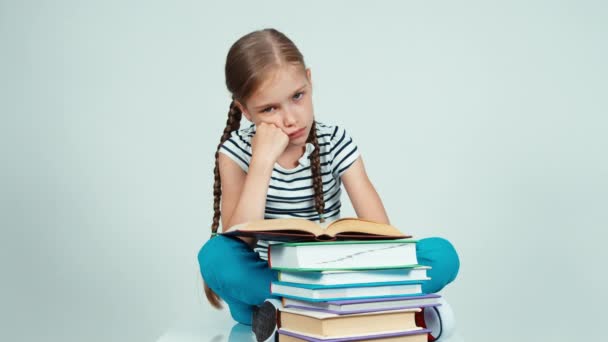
point(308, 76)
point(243, 110)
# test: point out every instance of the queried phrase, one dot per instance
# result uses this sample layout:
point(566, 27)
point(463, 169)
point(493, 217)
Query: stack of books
point(350, 280)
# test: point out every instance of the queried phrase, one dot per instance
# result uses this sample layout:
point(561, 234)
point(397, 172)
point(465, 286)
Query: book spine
point(269, 256)
point(324, 238)
point(351, 285)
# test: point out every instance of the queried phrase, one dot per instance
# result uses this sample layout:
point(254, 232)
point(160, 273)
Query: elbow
point(379, 215)
point(379, 218)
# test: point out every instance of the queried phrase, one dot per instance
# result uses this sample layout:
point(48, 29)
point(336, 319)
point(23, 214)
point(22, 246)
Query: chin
point(299, 142)
point(304, 137)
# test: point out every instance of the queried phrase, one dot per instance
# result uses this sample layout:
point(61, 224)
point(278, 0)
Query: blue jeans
point(235, 272)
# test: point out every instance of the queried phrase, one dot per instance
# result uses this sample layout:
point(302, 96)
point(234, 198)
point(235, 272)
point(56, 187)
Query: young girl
point(285, 164)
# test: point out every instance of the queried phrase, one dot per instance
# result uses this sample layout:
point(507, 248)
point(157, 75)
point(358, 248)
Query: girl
point(285, 164)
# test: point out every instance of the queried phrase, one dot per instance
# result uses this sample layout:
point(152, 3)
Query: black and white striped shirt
point(290, 192)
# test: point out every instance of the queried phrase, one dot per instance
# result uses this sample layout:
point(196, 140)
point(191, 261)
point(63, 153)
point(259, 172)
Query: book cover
point(324, 325)
point(354, 276)
point(344, 307)
point(416, 335)
point(343, 255)
point(333, 292)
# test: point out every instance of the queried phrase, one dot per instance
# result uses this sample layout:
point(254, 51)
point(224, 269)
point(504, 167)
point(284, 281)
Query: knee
point(220, 260)
point(212, 255)
point(442, 254)
point(451, 257)
point(210, 251)
point(217, 247)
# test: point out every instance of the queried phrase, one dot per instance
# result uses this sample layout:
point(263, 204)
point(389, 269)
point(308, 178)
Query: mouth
point(297, 133)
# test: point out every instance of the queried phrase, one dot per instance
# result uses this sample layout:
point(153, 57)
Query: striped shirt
point(290, 192)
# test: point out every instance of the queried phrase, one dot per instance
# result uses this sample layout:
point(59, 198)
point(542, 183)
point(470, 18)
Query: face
point(285, 100)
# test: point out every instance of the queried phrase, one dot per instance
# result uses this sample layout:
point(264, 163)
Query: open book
point(296, 229)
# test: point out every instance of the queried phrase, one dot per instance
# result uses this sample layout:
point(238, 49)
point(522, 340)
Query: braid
point(315, 166)
point(250, 62)
point(233, 123)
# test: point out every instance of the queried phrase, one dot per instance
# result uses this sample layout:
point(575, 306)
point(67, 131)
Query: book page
point(325, 224)
point(352, 224)
point(279, 224)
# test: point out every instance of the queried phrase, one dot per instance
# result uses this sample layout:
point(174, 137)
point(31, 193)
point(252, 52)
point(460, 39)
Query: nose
point(289, 117)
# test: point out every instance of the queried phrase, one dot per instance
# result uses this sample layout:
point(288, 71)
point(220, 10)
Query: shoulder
point(329, 132)
point(240, 138)
point(324, 131)
point(244, 135)
point(335, 135)
point(342, 150)
point(238, 146)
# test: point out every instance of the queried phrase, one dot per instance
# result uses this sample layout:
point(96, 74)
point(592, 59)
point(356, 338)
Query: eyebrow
point(270, 104)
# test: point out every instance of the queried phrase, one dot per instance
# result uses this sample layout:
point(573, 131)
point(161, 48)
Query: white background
point(479, 121)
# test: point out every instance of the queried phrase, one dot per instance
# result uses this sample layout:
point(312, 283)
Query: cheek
point(305, 111)
point(271, 119)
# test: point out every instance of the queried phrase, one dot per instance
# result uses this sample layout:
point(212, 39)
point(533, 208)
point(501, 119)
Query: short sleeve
point(344, 151)
point(238, 148)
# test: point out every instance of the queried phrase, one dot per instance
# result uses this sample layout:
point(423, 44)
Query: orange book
point(297, 229)
point(327, 325)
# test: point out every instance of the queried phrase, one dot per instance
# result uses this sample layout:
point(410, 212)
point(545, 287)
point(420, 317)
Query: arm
point(243, 194)
point(362, 194)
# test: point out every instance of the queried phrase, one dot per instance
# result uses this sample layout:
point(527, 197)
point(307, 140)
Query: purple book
point(355, 338)
point(355, 306)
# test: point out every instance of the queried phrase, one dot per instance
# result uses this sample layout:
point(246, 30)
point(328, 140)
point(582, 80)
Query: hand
point(269, 142)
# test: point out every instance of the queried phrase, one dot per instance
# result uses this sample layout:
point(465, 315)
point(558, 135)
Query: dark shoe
point(264, 322)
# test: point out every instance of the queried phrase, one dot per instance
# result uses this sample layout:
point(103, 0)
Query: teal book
point(343, 255)
point(344, 292)
point(355, 276)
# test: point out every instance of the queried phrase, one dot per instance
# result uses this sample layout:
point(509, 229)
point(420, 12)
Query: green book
point(343, 255)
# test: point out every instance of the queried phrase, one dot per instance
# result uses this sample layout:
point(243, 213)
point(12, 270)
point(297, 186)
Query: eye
point(298, 93)
point(267, 110)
